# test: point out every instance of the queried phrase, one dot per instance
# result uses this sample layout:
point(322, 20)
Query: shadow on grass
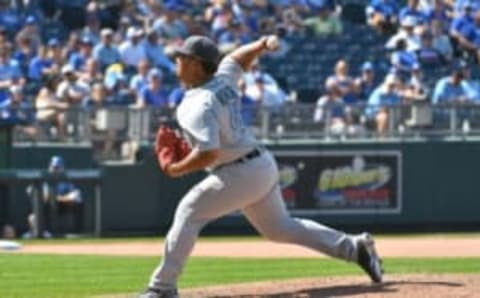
point(385, 288)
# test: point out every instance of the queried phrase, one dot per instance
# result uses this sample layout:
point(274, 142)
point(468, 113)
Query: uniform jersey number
point(230, 98)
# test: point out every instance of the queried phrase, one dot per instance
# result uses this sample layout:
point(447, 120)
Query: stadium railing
point(120, 124)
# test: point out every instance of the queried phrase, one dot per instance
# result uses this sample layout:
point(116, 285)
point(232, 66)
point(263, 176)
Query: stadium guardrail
point(113, 126)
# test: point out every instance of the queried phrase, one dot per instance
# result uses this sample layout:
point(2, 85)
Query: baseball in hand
point(272, 42)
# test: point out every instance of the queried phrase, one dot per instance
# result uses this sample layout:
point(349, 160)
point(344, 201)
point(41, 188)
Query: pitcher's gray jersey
point(210, 116)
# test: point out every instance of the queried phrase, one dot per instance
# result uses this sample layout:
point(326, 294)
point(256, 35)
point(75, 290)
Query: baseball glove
point(169, 147)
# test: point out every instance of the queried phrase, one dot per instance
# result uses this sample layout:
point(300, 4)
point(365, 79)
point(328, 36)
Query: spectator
point(325, 22)
point(382, 15)
point(264, 96)
point(30, 31)
point(402, 60)
point(380, 102)
point(10, 72)
point(16, 110)
point(234, 36)
point(131, 50)
point(78, 59)
point(459, 26)
point(171, 26)
point(453, 88)
point(268, 82)
point(365, 84)
point(92, 30)
point(106, 53)
point(153, 95)
point(417, 89)
point(436, 12)
point(61, 197)
point(343, 81)
point(441, 41)
point(71, 90)
point(90, 74)
point(412, 10)
point(155, 53)
point(427, 55)
point(291, 22)
point(330, 109)
point(24, 53)
point(469, 39)
point(219, 15)
point(140, 80)
point(71, 46)
point(406, 32)
point(50, 111)
point(42, 65)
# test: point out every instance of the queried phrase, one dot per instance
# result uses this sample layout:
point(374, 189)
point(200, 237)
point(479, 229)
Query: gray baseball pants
point(251, 187)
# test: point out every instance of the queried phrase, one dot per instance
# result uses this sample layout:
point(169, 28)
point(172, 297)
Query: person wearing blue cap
point(78, 59)
point(365, 84)
point(153, 95)
point(62, 203)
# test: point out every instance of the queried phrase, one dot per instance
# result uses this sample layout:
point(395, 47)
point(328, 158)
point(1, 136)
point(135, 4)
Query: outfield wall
point(386, 185)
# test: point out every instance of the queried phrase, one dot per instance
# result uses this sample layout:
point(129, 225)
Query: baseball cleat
point(157, 293)
point(368, 259)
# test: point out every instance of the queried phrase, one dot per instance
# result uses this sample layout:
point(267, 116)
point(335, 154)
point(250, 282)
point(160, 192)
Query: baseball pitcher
point(242, 175)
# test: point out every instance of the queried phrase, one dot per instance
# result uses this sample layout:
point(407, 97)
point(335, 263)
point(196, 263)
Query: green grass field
point(49, 276)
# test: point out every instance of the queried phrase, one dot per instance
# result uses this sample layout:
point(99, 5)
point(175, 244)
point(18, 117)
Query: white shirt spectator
point(131, 50)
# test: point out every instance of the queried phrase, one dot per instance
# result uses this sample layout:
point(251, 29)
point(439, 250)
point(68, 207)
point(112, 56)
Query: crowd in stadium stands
point(56, 55)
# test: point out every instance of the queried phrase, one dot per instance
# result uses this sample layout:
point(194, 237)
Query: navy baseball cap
point(200, 47)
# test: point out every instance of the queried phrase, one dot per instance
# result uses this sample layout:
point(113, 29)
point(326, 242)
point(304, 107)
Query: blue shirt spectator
point(459, 23)
point(9, 72)
point(105, 52)
point(15, 110)
point(37, 64)
point(411, 10)
point(451, 89)
point(153, 94)
point(78, 59)
point(383, 96)
point(471, 33)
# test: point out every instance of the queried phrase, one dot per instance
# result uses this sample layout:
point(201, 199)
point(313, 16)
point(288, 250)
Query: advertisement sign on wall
point(343, 182)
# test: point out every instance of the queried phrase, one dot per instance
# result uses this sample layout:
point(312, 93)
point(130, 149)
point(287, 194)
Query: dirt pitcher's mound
point(394, 286)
